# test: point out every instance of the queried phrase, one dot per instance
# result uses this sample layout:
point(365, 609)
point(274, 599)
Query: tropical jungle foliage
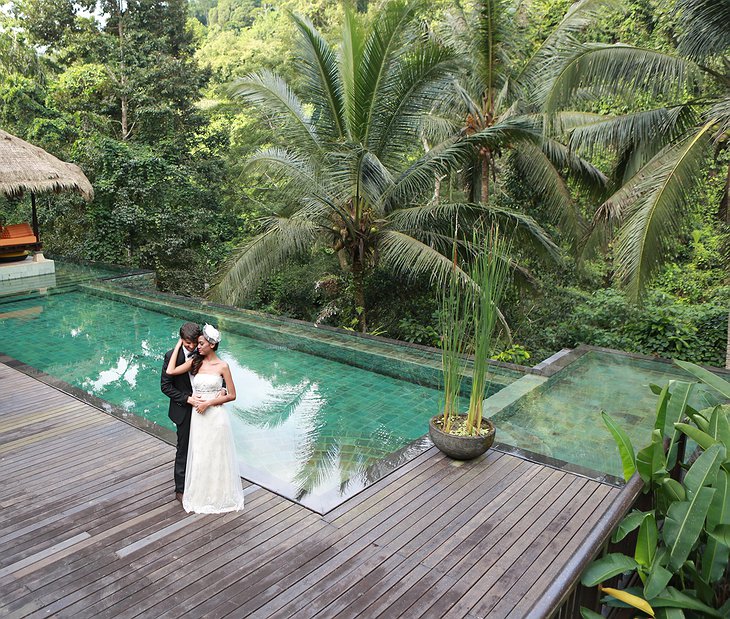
point(595, 132)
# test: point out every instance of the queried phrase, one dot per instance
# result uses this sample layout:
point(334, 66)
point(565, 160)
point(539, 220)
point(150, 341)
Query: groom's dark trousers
point(178, 389)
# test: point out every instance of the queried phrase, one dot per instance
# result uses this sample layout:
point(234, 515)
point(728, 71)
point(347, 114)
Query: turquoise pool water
point(320, 414)
point(66, 274)
point(562, 417)
point(305, 426)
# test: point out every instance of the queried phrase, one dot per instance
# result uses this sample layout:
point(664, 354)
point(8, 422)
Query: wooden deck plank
point(497, 602)
point(90, 528)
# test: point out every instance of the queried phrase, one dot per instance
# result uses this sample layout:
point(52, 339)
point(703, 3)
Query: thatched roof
point(28, 168)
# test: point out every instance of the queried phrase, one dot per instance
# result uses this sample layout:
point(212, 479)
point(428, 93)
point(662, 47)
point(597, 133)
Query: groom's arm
point(167, 384)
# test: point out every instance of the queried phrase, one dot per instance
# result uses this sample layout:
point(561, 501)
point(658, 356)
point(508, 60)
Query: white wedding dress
point(212, 482)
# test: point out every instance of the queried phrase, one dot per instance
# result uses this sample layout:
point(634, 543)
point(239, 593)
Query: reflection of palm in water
point(338, 446)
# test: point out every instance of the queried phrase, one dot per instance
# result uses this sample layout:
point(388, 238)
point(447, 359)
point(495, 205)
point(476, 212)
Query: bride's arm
point(172, 368)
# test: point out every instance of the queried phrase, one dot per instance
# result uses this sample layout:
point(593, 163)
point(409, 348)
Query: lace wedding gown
point(212, 482)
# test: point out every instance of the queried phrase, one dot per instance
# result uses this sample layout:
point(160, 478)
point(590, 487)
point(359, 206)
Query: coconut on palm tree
point(348, 160)
point(494, 90)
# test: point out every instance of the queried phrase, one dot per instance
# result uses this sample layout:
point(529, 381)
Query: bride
point(212, 482)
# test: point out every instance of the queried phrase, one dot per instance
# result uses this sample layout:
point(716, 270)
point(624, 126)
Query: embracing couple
point(198, 382)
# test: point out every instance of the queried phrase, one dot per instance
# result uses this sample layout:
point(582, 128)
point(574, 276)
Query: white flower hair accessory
point(211, 334)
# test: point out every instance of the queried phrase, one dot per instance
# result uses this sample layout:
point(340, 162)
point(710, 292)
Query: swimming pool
point(561, 418)
point(321, 413)
point(311, 428)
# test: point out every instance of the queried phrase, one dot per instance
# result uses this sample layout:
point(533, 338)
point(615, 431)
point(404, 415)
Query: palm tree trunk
point(485, 178)
point(358, 284)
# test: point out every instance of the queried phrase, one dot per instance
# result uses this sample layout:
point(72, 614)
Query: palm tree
point(351, 169)
point(659, 152)
point(494, 89)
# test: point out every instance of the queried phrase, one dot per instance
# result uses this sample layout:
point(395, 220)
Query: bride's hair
point(198, 358)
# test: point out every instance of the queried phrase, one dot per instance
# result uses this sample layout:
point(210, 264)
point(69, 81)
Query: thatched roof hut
point(27, 168)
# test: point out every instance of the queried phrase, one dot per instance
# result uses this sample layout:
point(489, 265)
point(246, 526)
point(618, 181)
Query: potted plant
point(469, 314)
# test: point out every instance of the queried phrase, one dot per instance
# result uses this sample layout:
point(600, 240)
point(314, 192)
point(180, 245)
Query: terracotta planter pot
point(461, 447)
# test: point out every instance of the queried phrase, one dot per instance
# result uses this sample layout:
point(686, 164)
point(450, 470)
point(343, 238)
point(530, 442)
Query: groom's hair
point(190, 331)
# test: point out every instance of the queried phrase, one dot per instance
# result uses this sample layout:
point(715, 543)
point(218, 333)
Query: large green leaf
point(669, 613)
point(661, 409)
point(719, 426)
point(657, 581)
point(587, 613)
point(646, 543)
point(704, 470)
point(650, 461)
point(685, 520)
point(702, 590)
point(722, 534)
point(715, 556)
point(680, 394)
point(607, 567)
point(707, 377)
point(630, 522)
point(703, 439)
point(719, 512)
point(673, 490)
point(676, 410)
point(625, 448)
point(672, 598)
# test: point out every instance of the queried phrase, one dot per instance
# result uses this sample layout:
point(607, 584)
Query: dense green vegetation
point(363, 137)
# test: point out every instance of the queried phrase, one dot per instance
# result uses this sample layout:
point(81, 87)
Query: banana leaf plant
point(683, 543)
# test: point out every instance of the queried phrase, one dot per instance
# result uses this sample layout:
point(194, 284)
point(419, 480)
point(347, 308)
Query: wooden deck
point(90, 528)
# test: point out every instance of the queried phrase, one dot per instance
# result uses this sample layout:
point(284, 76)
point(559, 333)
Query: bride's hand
point(202, 407)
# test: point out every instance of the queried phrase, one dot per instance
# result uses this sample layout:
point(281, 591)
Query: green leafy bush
point(683, 541)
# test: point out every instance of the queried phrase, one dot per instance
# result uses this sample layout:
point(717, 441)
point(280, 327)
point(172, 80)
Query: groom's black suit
point(178, 389)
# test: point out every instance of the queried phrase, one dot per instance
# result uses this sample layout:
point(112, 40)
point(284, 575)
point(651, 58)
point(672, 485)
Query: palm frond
point(409, 91)
point(544, 179)
point(579, 16)
point(582, 170)
point(323, 85)
point(353, 41)
point(644, 130)
point(720, 113)
point(420, 220)
point(412, 258)
point(261, 255)
point(492, 29)
point(271, 94)
point(706, 28)
point(651, 207)
point(610, 69)
point(381, 46)
point(418, 179)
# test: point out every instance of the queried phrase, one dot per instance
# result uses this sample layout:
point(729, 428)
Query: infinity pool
point(305, 426)
point(561, 418)
point(321, 414)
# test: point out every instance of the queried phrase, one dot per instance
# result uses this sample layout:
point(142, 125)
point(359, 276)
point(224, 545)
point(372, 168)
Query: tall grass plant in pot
point(469, 315)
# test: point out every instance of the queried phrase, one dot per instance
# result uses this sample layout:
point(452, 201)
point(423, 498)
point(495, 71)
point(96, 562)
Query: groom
point(180, 392)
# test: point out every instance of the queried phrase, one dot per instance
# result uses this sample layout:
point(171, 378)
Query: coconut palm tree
point(496, 86)
point(659, 152)
point(350, 166)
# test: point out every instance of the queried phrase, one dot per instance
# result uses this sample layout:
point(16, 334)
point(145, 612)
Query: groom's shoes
point(179, 496)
